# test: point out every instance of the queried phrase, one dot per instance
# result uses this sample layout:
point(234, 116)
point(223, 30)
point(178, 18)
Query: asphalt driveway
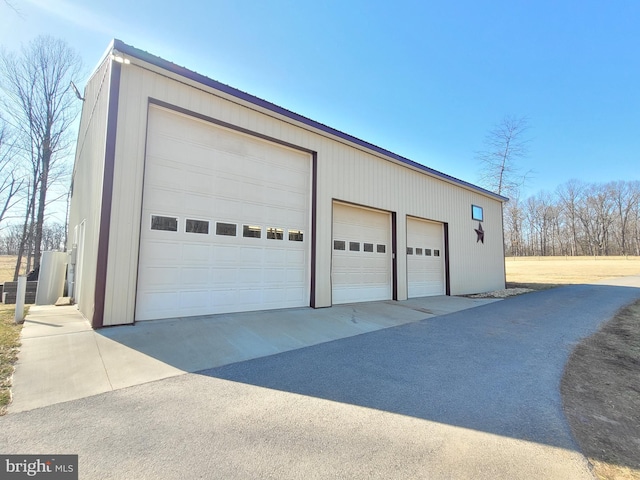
point(473, 394)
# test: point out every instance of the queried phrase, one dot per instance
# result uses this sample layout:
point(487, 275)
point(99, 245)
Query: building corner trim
point(107, 197)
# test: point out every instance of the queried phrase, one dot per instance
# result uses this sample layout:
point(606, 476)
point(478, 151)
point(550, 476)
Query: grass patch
point(601, 396)
point(9, 343)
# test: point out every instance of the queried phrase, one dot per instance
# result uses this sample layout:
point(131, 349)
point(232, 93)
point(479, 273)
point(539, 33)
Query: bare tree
point(505, 146)
point(570, 195)
point(42, 106)
point(513, 222)
point(12, 7)
point(10, 183)
point(53, 236)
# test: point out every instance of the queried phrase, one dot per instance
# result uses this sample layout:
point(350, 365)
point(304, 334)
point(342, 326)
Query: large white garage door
point(225, 221)
point(425, 258)
point(361, 262)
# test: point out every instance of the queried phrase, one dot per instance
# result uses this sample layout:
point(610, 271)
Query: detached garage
point(190, 197)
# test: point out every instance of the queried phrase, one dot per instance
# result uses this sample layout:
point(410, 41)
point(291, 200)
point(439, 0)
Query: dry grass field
point(568, 270)
point(7, 266)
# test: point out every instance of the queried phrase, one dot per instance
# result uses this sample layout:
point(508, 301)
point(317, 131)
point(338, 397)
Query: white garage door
point(225, 221)
point(361, 262)
point(425, 258)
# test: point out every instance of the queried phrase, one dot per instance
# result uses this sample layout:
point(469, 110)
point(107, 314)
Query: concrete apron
point(62, 358)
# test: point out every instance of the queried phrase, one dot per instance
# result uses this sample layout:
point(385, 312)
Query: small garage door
point(425, 258)
point(361, 261)
point(225, 221)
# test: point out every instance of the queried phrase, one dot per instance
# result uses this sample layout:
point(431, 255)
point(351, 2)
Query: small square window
point(381, 248)
point(409, 250)
point(275, 233)
point(354, 246)
point(339, 245)
point(226, 229)
point(251, 231)
point(436, 253)
point(296, 235)
point(477, 213)
point(418, 251)
point(197, 226)
point(427, 252)
point(368, 247)
point(169, 224)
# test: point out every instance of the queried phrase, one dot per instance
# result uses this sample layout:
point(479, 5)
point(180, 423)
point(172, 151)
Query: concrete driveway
point(472, 394)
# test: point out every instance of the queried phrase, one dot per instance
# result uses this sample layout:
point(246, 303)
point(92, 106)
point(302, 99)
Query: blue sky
point(424, 79)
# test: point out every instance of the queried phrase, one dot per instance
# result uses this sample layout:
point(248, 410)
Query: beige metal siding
point(87, 181)
point(345, 172)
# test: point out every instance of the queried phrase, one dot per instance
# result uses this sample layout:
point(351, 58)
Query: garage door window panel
point(226, 229)
point(275, 233)
point(296, 235)
point(168, 224)
point(197, 226)
point(251, 231)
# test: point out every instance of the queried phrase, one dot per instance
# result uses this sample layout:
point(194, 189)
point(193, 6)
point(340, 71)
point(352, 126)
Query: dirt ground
point(601, 395)
point(601, 383)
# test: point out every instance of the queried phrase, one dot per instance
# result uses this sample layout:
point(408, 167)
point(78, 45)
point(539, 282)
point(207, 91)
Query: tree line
point(579, 218)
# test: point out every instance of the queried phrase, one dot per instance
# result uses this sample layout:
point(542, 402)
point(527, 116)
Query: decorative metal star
point(480, 233)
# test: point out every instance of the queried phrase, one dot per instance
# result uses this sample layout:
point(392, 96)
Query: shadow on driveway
point(495, 368)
